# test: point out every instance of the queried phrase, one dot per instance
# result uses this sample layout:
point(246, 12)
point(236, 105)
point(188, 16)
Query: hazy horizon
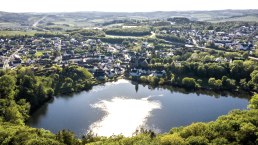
point(131, 12)
point(45, 6)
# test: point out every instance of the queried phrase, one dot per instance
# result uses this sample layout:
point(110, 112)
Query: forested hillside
point(238, 127)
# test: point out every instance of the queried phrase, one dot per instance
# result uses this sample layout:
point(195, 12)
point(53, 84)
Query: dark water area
point(122, 107)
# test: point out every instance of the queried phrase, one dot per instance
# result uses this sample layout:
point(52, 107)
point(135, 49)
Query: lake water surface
point(122, 107)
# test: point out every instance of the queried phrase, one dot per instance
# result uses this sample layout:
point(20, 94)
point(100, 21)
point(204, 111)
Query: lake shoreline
point(106, 92)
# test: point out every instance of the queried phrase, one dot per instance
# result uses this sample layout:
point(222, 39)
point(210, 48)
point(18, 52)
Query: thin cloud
point(122, 5)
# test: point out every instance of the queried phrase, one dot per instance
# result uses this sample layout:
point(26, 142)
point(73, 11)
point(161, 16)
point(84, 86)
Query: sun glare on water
point(123, 116)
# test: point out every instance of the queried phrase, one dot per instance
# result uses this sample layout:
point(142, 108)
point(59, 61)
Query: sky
point(123, 5)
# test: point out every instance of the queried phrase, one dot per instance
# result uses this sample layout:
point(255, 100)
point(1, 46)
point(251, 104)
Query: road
point(37, 22)
point(118, 36)
point(152, 35)
point(35, 25)
point(202, 47)
point(195, 43)
point(6, 62)
point(253, 58)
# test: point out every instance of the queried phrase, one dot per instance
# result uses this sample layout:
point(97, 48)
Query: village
point(129, 72)
point(109, 60)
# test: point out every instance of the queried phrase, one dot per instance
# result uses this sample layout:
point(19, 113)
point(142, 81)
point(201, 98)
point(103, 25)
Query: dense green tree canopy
point(7, 86)
point(138, 31)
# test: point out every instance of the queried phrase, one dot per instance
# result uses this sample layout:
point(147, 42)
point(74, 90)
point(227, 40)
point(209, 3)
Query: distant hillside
point(84, 19)
point(17, 17)
point(194, 15)
point(247, 18)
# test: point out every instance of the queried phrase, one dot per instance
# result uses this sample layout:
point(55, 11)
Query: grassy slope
point(241, 18)
point(14, 33)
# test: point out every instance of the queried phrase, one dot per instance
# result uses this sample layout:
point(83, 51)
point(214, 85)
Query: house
point(119, 70)
point(32, 52)
point(135, 73)
point(159, 73)
point(219, 59)
point(44, 61)
point(29, 61)
point(16, 62)
point(45, 56)
point(112, 49)
point(91, 68)
point(110, 73)
point(100, 74)
point(139, 62)
point(144, 44)
point(145, 71)
point(211, 31)
point(92, 60)
point(219, 44)
point(144, 63)
point(74, 41)
point(75, 60)
point(220, 33)
point(245, 47)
